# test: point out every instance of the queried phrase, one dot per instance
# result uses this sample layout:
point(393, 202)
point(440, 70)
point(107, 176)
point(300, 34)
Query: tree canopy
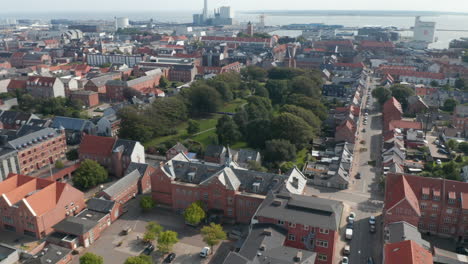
point(204, 99)
point(90, 258)
point(89, 174)
point(213, 234)
point(227, 131)
point(147, 203)
point(450, 104)
point(194, 214)
point(292, 128)
point(142, 259)
point(401, 93)
point(166, 240)
point(382, 94)
point(279, 150)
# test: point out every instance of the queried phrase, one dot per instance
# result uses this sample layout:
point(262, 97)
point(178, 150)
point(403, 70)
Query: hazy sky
point(150, 5)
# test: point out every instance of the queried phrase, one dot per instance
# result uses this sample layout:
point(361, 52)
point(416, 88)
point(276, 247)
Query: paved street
point(364, 196)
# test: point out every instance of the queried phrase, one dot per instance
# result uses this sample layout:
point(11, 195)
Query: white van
point(205, 252)
point(349, 233)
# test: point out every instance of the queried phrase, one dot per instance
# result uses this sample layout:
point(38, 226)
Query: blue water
point(446, 21)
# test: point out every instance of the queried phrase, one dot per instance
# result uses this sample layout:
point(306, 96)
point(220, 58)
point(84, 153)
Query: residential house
point(98, 84)
point(122, 191)
point(392, 110)
point(15, 120)
point(232, 193)
point(45, 87)
point(215, 154)
point(89, 98)
point(460, 117)
point(75, 128)
point(346, 132)
point(108, 125)
point(312, 223)
point(243, 157)
point(146, 170)
point(266, 243)
point(42, 202)
point(417, 105)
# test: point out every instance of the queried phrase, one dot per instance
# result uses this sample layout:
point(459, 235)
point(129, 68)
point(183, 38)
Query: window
point(435, 207)
point(447, 220)
point(436, 198)
point(324, 231)
point(434, 216)
point(425, 196)
point(449, 211)
point(306, 227)
point(229, 211)
point(451, 201)
point(423, 214)
point(421, 225)
point(230, 200)
point(205, 196)
point(423, 205)
point(280, 222)
point(322, 257)
point(322, 243)
point(445, 229)
point(432, 226)
point(465, 219)
point(293, 225)
point(291, 237)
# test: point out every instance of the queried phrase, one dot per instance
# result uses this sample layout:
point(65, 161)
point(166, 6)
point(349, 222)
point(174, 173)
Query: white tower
point(121, 22)
point(205, 10)
point(424, 31)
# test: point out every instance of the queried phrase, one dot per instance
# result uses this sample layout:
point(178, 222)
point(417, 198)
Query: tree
point(163, 82)
point(166, 240)
point(256, 73)
point(194, 214)
point(278, 90)
point(290, 127)
point(204, 99)
point(286, 166)
point(193, 127)
point(279, 73)
point(401, 93)
point(382, 94)
point(142, 259)
point(89, 175)
point(149, 236)
point(463, 147)
point(279, 150)
point(450, 104)
point(213, 234)
point(434, 83)
point(147, 203)
point(227, 131)
point(59, 165)
point(452, 144)
point(72, 154)
point(258, 131)
point(306, 86)
point(90, 258)
point(154, 227)
point(128, 93)
point(309, 103)
point(460, 83)
point(261, 91)
point(303, 113)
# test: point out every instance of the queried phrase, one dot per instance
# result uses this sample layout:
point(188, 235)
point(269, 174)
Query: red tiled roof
point(406, 252)
point(409, 73)
point(96, 145)
point(377, 44)
point(399, 189)
point(404, 124)
point(346, 42)
point(391, 104)
point(397, 67)
point(17, 84)
point(41, 79)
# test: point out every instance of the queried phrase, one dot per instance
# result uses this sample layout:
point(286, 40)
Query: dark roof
point(128, 146)
point(401, 231)
point(214, 151)
point(302, 209)
point(179, 147)
point(49, 255)
point(75, 226)
point(271, 238)
point(92, 215)
point(122, 184)
point(14, 117)
point(69, 123)
point(100, 205)
point(141, 167)
point(246, 155)
point(203, 172)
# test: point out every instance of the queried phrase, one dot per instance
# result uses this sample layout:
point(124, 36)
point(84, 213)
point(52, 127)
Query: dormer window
point(425, 193)
point(451, 197)
point(436, 195)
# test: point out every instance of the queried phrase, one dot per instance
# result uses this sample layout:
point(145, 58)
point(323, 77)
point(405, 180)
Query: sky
point(28, 6)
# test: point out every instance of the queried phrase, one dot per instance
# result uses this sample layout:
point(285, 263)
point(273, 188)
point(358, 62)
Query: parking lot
point(187, 249)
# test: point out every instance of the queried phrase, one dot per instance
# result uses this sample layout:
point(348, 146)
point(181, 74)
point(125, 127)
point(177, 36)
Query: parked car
point(346, 250)
point(352, 217)
point(350, 225)
point(358, 175)
point(372, 228)
point(462, 250)
point(148, 249)
point(205, 252)
point(370, 260)
point(170, 258)
point(372, 220)
point(345, 260)
point(126, 230)
point(364, 130)
point(349, 233)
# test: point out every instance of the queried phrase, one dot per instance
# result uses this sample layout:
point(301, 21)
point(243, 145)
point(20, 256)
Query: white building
point(225, 12)
point(121, 22)
point(424, 31)
point(100, 59)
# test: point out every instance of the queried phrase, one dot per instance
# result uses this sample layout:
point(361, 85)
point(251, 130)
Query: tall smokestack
point(205, 10)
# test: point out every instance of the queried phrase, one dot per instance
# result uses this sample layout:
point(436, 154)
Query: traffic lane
point(366, 244)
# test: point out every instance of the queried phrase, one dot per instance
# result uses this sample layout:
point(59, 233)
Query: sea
point(450, 26)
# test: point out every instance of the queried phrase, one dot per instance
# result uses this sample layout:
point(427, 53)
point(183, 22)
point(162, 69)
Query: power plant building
point(424, 31)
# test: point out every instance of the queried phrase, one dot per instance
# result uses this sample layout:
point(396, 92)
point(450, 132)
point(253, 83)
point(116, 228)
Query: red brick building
point(31, 206)
point(407, 252)
point(392, 110)
point(435, 206)
point(38, 149)
point(143, 85)
point(98, 84)
point(346, 132)
point(312, 223)
point(122, 191)
point(460, 117)
point(89, 98)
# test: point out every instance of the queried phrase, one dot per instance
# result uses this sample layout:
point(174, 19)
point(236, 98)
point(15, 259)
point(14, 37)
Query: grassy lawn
point(301, 158)
point(206, 123)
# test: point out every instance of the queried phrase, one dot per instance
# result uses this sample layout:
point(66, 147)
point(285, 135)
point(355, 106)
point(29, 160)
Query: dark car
point(350, 225)
point(370, 260)
point(372, 228)
point(462, 250)
point(170, 258)
point(358, 175)
point(148, 249)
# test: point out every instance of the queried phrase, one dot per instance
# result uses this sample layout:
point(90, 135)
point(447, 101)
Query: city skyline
point(27, 6)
